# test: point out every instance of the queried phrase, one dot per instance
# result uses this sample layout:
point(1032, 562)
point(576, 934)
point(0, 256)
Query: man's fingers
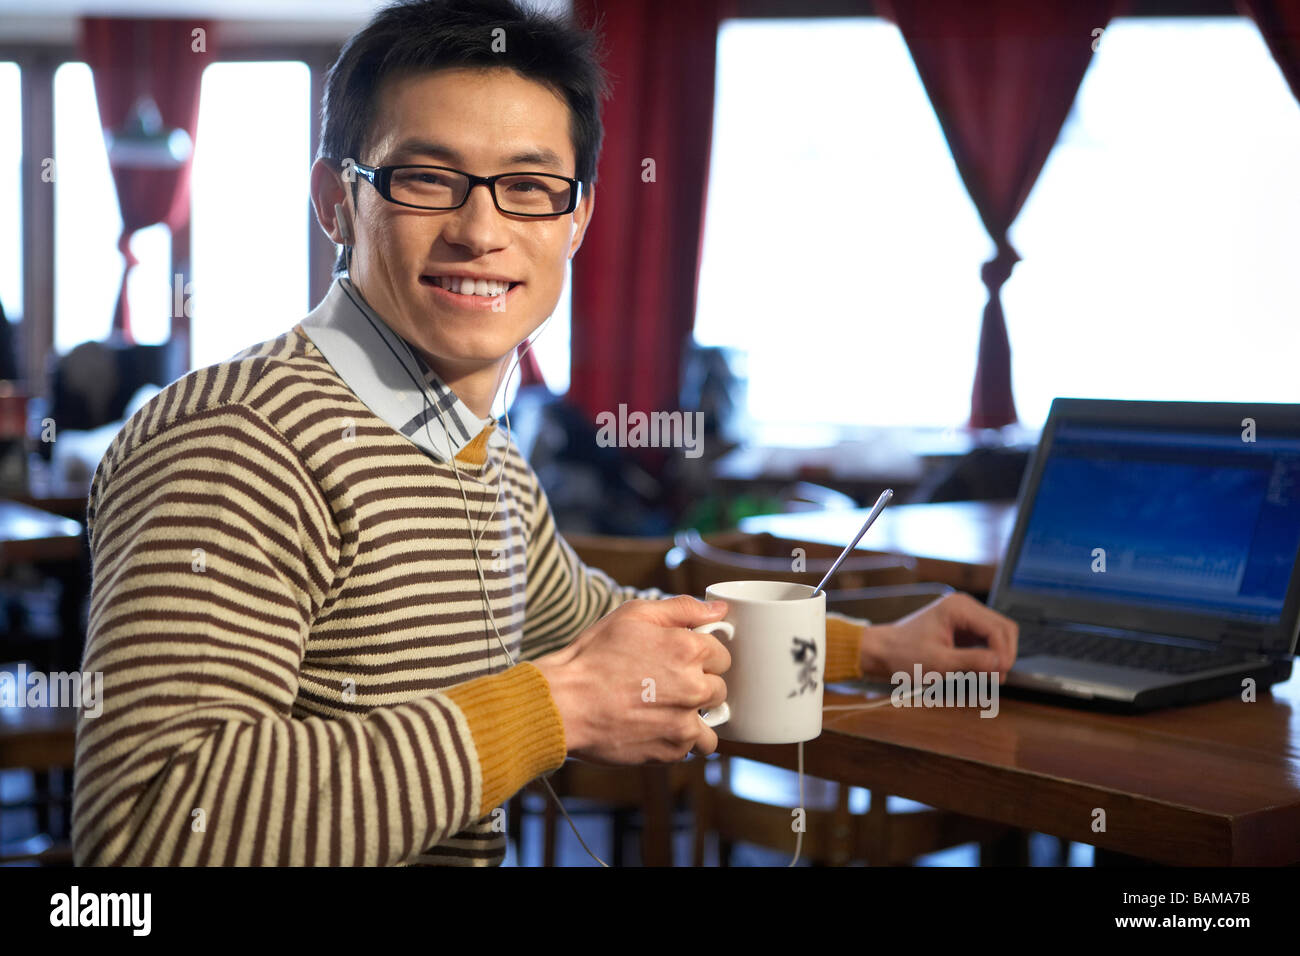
point(683, 611)
point(717, 692)
point(707, 742)
point(1001, 633)
point(700, 692)
point(962, 659)
point(716, 658)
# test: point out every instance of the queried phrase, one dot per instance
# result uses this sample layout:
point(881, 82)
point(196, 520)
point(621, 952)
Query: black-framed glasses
point(441, 187)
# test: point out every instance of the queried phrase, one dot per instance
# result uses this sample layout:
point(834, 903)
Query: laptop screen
point(1194, 521)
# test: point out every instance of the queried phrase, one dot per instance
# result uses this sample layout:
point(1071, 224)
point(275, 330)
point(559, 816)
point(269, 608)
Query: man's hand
point(599, 682)
point(943, 636)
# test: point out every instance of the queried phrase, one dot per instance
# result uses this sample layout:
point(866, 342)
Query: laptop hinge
point(1025, 615)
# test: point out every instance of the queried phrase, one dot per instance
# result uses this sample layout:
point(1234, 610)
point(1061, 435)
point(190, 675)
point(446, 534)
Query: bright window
point(11, 206)
point(1158, 248)
point(249, 234)
point(87, 223)
point(841, 249)
point(1160, 244)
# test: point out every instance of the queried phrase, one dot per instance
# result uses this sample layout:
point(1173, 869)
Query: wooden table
point(1213, 784)
point(28, 534)
point(958, 543)
point(54, 494)
point(1216, 783)
point(57, 546)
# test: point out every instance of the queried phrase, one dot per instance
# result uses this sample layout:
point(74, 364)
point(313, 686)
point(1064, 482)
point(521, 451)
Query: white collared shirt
point(384, 372)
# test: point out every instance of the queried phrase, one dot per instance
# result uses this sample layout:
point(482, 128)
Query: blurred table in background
point(29, 534)
point(958, 543)
point(53, 492)
point(37, 549)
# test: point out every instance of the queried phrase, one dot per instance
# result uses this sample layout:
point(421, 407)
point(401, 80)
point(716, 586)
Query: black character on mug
point(805, 655)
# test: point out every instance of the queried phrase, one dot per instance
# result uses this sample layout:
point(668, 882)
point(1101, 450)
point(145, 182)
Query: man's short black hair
point(415, 36)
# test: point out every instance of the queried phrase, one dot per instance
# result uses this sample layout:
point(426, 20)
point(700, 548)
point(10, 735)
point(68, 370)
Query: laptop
point(1154, 556)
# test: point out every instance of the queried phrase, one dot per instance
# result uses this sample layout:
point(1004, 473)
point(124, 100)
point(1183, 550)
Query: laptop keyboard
point(1142, 655)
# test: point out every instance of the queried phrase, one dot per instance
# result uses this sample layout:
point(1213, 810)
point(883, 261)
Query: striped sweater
point(298, 667)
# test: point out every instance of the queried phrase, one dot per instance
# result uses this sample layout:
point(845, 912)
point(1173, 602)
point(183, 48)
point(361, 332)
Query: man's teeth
point(472, 286)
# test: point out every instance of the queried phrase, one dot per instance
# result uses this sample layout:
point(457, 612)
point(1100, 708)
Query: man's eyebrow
point(536, 156)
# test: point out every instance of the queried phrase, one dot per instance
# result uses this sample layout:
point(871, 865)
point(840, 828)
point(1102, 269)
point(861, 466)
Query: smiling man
point(334, 617)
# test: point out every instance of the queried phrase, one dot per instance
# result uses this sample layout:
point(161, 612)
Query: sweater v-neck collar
point(377, 365)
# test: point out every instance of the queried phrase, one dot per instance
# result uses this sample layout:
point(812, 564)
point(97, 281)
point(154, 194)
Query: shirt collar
point(377, 365)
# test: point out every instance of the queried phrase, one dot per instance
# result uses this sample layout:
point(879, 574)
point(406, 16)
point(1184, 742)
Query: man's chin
point(446, 358)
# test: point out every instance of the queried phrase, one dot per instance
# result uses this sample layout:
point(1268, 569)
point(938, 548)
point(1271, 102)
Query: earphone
point(345, 228)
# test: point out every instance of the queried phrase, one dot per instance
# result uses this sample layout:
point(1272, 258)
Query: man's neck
point(476, 387)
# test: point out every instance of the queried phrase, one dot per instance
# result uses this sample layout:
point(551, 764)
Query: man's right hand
point(601, 682)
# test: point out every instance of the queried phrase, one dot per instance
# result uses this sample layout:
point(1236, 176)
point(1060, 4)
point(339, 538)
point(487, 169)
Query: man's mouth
point(459, 285)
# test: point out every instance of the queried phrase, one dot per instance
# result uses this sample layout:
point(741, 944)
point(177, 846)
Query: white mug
point(776, 633)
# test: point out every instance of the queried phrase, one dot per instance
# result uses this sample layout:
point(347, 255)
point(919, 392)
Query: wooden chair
point(833, 835)
point(640, 562)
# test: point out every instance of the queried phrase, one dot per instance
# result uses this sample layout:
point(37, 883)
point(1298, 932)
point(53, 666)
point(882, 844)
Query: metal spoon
point(875, 513)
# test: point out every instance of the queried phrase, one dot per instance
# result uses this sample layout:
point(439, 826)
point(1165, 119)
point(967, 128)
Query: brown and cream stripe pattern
point(298, 667)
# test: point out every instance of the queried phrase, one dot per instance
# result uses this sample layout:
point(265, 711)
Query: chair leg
point(701, 811)
point(1012, 849)
point(549, 817)
point(41, 781)
point(657, 834)
point(724, 853)
point(875, 825)
point(619, 829)
point(842, 828)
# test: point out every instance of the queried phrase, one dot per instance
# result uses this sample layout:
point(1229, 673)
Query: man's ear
point(328, 191)
point(582, 217)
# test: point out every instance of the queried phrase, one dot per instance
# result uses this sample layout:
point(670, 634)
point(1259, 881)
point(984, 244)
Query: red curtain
point(1279, 22)
point(635, 280)
point(164, 59)
point(1002, 76)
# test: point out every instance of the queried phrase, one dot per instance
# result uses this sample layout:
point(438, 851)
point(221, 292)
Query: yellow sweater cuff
point(516, 727)
point(843, 648)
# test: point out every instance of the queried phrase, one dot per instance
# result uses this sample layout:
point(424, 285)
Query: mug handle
point(722, 713)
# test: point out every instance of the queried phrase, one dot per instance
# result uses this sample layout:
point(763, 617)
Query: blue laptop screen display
point(1186, 521)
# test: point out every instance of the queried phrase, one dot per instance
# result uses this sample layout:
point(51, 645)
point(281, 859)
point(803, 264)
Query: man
point(334, 617)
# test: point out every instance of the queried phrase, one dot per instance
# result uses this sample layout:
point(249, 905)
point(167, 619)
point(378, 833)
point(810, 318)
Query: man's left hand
point(954, 633)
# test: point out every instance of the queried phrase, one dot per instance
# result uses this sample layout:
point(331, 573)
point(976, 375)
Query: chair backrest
point(638, 562)
point(881, 605)
point(766, 558)
point(983, 474)
point(92, 384)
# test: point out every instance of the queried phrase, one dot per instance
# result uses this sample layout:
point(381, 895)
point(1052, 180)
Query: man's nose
point(478, 224)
